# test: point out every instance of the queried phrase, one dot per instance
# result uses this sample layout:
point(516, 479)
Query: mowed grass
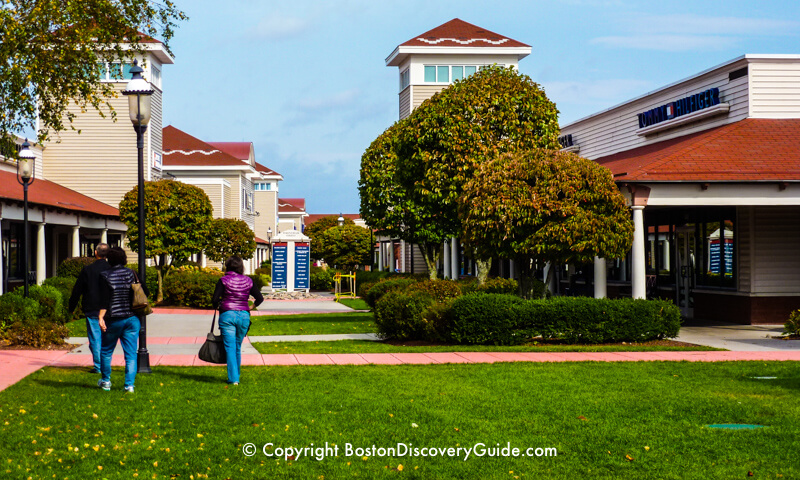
point(355, 303)
point(605, 420)
point(366, 346)
point(312, 324)
point(77, 328)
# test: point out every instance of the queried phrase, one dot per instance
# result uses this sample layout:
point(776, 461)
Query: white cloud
point(667, 42)
point(604, 91)
point(278, 27)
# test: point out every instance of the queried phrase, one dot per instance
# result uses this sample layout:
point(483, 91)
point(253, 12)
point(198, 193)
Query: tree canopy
point(177, 222)
point(345, 246)
point(413, 174)
point(547, 206)
point(49, 50)
point(314, 230)
point(228, 237)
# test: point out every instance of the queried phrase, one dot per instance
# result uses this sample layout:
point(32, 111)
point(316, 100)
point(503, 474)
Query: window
point(446, 73)
point(405, 79)
point(155, 76)
point(114, 72)
point(262, 186)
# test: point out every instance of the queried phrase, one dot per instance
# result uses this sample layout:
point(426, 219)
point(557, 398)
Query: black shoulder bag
point(213, 350)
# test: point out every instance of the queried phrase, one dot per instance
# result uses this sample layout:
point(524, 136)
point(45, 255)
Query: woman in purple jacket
point(231, 295)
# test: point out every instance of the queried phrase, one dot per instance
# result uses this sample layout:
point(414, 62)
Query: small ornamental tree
point(49, 52)
point(314, 230)
point(228, 237)
point(546, 206)
point(177, 220)
point(346, 246)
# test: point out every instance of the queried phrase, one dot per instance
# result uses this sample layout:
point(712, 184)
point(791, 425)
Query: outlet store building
point(710, 166)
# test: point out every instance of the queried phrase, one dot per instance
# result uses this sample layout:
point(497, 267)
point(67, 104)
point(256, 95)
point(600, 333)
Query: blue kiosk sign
point(279, 261)
point(302, 259)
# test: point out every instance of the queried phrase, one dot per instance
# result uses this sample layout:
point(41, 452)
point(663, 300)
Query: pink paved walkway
point(17, 364)
point(254, 313)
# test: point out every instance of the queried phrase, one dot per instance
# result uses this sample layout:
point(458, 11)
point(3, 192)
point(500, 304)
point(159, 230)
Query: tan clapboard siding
point(249, 217)
point(226, 194)
point(155, 128)
point(744, 244)
point(776, 265)
point(405, 102)
point(100, 161)
point(424, 92)
point(266, 207)
point(214, 192)
point(615, 131)
point(775, 90)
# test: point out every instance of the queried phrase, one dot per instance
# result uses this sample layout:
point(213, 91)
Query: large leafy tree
point(419, 166)
point(346, 246)
point(228, 237)
point(49, 49)
point(544, 206)
point(314, 230)
point(177, 223)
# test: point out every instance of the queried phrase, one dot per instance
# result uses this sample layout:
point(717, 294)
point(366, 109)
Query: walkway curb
point(17, 364)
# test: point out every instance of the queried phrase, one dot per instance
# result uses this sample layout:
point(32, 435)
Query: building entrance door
point(685, 280)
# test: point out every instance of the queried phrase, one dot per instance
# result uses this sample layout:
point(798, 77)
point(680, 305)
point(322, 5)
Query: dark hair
point(116, 256)
point(101, 250)
point(234, 264)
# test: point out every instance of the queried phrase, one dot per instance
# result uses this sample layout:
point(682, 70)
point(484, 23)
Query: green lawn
point(77, 328)
point(312, 324)
point(355, 303)
point(365, 346)
point(605, 420)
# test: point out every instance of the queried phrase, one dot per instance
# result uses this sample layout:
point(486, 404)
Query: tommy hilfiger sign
point(678, 108)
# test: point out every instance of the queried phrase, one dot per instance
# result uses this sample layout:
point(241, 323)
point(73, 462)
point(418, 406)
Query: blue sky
point(307, 83)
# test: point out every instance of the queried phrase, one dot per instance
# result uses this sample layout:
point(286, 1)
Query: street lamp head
point(138, 92)
point(26, 163)
point(340, 220)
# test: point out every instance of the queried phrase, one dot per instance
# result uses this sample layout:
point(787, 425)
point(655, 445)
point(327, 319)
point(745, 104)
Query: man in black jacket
point(89, 285)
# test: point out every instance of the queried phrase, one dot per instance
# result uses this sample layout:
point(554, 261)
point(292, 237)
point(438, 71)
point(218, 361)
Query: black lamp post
point(269, 244)
point(26, 174)
point(138, 92)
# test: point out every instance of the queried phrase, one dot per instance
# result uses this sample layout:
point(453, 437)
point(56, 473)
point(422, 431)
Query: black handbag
point(213, 350)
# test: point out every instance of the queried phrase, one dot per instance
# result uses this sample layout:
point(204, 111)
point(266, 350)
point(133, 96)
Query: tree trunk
point(160, 293)
point(483, 267)
point(431, 257)
point(551, 271)
point(527, 278)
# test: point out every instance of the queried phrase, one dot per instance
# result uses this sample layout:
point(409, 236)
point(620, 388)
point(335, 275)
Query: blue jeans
point(126, 330)
point(234, 324)
point(93, 332)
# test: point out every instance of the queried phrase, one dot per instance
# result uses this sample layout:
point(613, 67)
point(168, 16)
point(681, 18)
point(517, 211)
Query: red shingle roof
point(291, 205)
point(43, 192)
point(265, 170)
point(311, 218)
point(748, 150)
point(240, 150)
point(182, 149)
point(458, 33)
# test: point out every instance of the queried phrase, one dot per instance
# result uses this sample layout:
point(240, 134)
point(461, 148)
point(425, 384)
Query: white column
point(454, 258)
point(76, 241)
point(391, 256)
point(380, 256)
point(203, 259)
point(403, 256)
point(104, 236)
point(512, 269)
point(552, 286)
point(40, 256)
point(290, 266)
point(638, 276)
point(446, 260)
point(600, 290)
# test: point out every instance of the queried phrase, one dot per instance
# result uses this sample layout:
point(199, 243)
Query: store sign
point(302, 253)
point(157, 161)
point(279, 260)
point(678, 108)
point(566, 141)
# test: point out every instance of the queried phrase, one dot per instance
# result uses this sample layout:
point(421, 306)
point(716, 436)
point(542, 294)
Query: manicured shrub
point(263, 271)
point(399, 315)
point(258, 281)
point(321, 278)
point(482, 318)
point(505, 286)
point(439, 290)
point(468, 285)
point(71, 267)
point(24, 321)
point(64, 286)
point(51, 303)
point(591, 321)
point(190, 288)
point(792, 326)
point(381, 288)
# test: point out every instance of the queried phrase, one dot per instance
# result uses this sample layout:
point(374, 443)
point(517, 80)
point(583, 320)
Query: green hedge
point(71, 267)
point(151, 281)
point(507, 320)
point(792, 326)
point(64, 286)
point(36, 321)
point(321, 278)
point(381, 288)
point(400, 315)
point(190, 288)
point(439, 290)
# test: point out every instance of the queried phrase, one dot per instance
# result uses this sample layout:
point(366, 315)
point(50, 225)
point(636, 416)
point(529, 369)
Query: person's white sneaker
point(104, 385)
point(129, 389)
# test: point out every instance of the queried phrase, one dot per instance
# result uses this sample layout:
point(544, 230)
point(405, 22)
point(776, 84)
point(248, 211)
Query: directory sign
point(279, 265)
point(302, 258)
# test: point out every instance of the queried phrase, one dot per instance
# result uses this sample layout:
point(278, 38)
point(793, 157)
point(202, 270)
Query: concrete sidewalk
point(752, 338)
